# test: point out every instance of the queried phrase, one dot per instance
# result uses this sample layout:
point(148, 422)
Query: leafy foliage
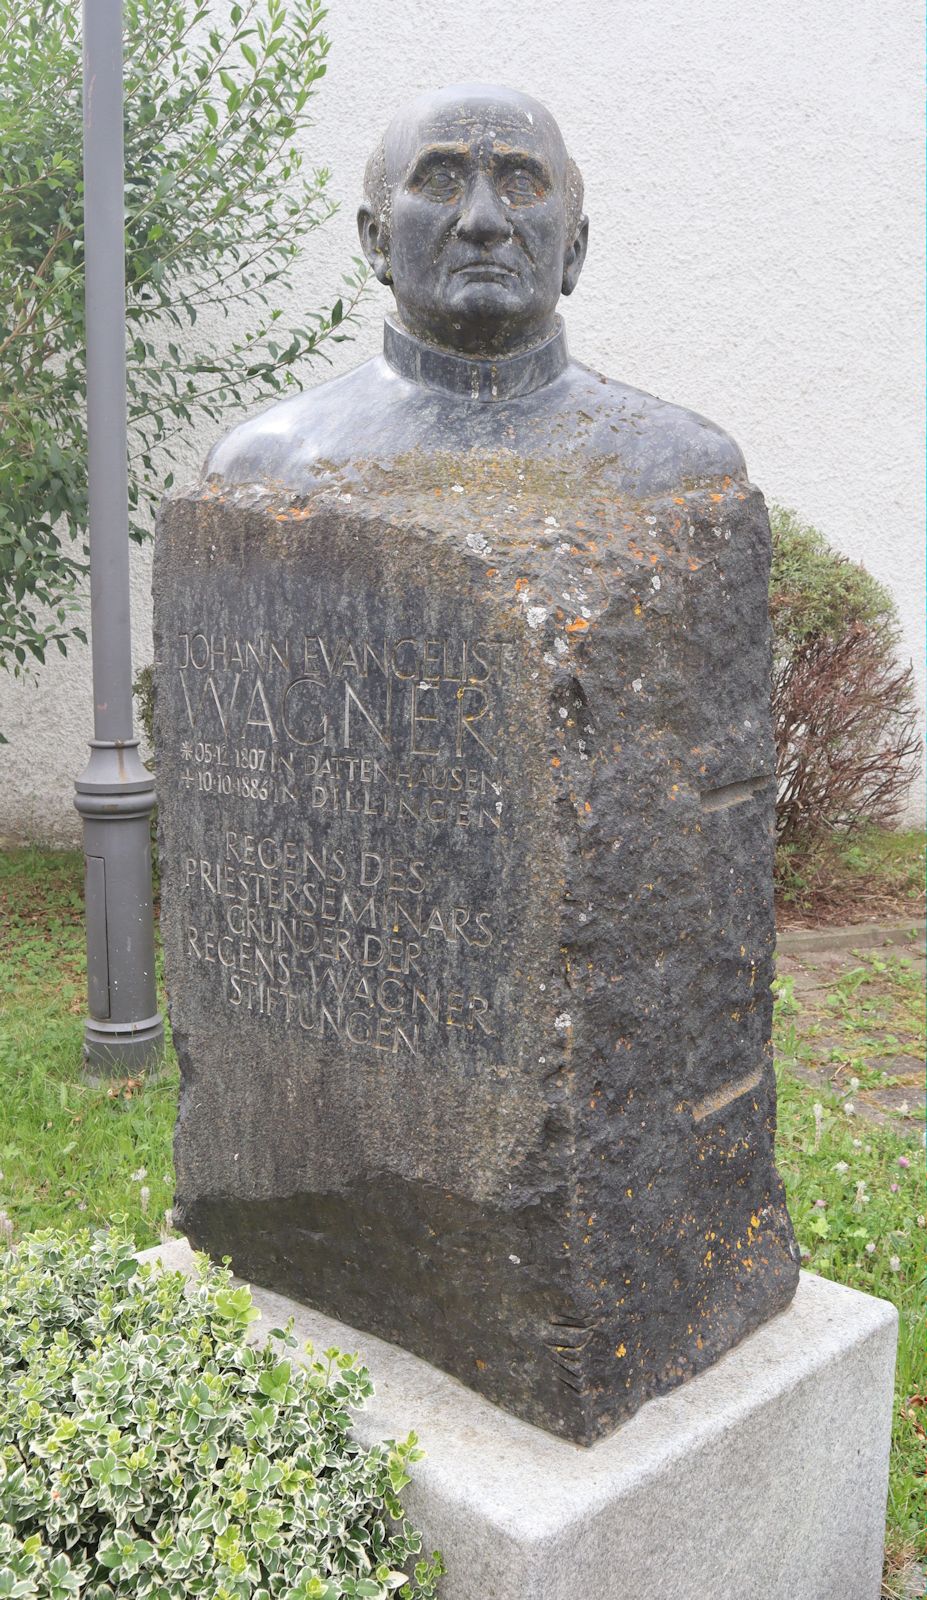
point(148, 1450)
point(813, 590)
point(844, 709)
point(143, 690)
point(218, 205)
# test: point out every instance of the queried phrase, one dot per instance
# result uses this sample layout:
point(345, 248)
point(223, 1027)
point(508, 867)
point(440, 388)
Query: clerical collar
point(475, 378)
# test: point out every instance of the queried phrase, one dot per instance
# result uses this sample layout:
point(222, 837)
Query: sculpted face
point(477, 224)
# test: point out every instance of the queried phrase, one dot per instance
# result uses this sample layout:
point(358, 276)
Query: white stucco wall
point(753, 179)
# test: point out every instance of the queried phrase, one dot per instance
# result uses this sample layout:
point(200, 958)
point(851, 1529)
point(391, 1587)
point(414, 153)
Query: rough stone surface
point(466, 831)
point(763, 1479)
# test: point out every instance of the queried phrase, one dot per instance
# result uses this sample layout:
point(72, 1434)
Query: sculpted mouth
point(489, 270)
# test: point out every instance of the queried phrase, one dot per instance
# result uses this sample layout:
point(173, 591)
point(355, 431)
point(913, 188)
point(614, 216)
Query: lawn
point(855, 1188)
point(875, 875)
point(73, 1155)
point(70, 1155)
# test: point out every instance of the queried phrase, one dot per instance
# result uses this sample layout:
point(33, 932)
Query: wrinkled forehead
point(479, 120)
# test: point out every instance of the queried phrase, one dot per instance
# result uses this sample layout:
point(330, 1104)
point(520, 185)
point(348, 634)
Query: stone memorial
point(466, 783)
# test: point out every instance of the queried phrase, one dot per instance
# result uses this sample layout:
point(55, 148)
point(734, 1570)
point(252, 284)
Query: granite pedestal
point(763, 1478)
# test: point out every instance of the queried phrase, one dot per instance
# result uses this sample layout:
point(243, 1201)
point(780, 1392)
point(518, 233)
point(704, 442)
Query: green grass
point(866, 1033)
point(870, 1231)
point(874, 874)
point(896, 858)
point(72, 1155)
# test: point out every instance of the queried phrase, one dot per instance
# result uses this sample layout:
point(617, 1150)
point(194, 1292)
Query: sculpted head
point(473, 215)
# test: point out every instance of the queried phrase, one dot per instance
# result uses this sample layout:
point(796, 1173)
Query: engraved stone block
point(466, 801)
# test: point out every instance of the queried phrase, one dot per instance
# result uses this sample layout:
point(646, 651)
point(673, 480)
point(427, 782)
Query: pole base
point(120, 1050)
point(124, 1034)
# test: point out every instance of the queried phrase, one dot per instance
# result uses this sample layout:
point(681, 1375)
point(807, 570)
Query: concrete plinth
point(762, 1479)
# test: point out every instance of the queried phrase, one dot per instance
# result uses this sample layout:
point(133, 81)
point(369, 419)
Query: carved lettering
point(374, 740)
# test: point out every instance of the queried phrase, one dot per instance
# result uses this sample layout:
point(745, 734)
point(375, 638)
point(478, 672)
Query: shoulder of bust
point(263, 448)
point(659, 445)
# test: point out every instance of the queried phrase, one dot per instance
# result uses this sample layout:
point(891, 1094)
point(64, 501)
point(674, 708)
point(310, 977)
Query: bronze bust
point(473, 218)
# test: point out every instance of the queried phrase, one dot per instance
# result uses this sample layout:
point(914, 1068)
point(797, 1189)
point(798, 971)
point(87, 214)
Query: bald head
point(518, 113)
point(473, 214)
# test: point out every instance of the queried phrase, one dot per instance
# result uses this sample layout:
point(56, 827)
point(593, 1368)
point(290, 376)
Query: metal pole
point(115, 792)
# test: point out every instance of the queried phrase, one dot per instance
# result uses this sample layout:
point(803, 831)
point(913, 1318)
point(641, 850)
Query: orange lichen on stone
point(578, 625)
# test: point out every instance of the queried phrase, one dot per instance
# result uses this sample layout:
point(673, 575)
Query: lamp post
point(115, 793)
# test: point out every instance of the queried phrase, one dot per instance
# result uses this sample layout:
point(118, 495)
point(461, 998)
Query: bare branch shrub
point(844, 707)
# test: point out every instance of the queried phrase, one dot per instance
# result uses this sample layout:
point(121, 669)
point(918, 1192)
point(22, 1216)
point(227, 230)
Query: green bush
point(844, 708)
point(148, 1450)
point(814, 591)
point(219, 202)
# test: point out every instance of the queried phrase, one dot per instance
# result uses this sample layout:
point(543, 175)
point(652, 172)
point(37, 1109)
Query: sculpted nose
point(483, 219)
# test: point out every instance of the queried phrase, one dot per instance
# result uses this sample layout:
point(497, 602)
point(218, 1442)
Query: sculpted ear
point(575, 256)
point(368, 230)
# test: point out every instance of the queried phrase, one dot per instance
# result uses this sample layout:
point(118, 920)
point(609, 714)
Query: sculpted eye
point(521, 188)
point(440, 183)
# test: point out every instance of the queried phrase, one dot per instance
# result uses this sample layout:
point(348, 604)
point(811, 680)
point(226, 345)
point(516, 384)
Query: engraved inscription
point(340, 947)
point(406, 729)
point(336, 766)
